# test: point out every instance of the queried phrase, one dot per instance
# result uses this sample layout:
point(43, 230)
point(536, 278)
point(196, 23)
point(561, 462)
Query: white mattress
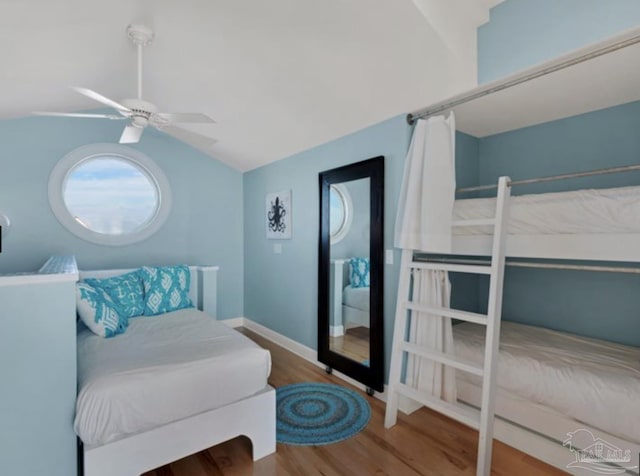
point(162, 369)
point(356, 297)
point(591, 381)
point(613, 210)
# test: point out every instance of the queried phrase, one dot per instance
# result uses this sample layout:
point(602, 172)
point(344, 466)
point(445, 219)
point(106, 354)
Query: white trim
point(405, 405)
point(234, 322)
point(57, 269)
point(148, 167)
point(347, 203)
point(588, 247)
point(254, 417)
point(20, 279)
point(537, 429)
point(307, 353)
point(291, 345)
point(336, 331)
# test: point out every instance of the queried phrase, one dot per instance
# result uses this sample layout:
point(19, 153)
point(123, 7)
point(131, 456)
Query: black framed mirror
point(350, 271)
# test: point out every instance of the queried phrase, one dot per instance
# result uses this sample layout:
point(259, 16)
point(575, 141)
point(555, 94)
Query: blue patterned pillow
point(125, 290)
point(166, 289)
point(359, 272)
point(98, 312)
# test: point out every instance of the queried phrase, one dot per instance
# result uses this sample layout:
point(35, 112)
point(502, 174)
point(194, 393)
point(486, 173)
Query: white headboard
point(203, 291)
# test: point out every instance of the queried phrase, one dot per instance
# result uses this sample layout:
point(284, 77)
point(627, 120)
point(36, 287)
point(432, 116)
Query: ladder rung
point(443, 358)
point(455, 268)
point(468, 416)
point(474, 222)
point(448, 312)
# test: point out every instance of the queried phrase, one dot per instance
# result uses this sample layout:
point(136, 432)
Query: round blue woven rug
point(318, 413)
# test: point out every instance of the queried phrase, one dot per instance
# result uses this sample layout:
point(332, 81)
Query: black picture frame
point(371, 376)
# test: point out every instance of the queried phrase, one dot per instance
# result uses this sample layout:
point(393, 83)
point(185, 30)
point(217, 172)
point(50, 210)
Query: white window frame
point(140, 161)
point(348, 213)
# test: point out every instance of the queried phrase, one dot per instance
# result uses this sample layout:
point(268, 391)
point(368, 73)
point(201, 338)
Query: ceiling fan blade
point(198, 141)
point(131, 135)
point(193, 117)
point(102, 99)
point(74, 114)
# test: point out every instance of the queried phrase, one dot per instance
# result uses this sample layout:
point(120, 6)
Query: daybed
point(350, 305)
point(170, 386)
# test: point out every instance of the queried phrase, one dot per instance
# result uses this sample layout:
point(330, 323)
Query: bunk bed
point(553, 385)
point(557, 396)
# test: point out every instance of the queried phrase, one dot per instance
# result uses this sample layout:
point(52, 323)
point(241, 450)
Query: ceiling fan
point(140, 113)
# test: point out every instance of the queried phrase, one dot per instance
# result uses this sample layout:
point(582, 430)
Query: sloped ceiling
point(279, 76)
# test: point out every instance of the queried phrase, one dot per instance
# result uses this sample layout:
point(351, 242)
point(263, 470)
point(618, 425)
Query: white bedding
point(592, 381)
point(162, 369)
point(356, 297)
point(613, 210)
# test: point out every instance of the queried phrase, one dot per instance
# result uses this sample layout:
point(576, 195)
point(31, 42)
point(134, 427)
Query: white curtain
point(431, 288)
point(424, 223)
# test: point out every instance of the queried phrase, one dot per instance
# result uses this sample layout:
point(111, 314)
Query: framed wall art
point(278, 215)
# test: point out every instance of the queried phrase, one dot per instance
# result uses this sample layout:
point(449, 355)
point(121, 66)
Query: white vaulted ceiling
point(279, 76)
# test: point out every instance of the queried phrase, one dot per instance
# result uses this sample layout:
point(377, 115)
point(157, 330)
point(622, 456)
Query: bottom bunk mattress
point(591, 381)
point(164, 368)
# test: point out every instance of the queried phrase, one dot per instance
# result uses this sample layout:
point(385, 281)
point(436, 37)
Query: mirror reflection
point(349, 280)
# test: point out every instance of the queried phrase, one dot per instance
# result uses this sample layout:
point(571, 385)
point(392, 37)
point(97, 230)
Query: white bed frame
point(529, 427)
point(539, 430)
point(623, 247)
point(253, 417)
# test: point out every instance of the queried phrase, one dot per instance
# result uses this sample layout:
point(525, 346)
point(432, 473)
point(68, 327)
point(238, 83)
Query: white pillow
point(98, 311)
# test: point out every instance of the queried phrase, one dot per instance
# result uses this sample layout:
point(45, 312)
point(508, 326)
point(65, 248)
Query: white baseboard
point(307, 353)
point(336, 331)
point(405, 405)
point(234, 322)
point(291, 345)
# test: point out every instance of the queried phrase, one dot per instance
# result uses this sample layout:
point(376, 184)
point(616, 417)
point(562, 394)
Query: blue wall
point(38, 374)
point(281, 289)
point(204, 227)
point(522, 33)
point(600, 305)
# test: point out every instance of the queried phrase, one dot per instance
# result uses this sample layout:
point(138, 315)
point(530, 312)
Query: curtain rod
point(524, 264)
point(585, 54)
point(552, 178)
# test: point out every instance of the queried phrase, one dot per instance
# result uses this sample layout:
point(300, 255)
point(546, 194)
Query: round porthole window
point(340, 213)
point(109, 194)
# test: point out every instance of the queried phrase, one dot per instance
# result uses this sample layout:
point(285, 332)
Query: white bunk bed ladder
point(481, 420)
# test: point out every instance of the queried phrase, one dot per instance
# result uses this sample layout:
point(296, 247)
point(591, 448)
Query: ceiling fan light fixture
point(141, 113)
point(140, 34)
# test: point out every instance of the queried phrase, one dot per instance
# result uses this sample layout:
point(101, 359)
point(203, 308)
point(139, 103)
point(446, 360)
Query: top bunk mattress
point(163, 368)
point(612, 210)
point(589, 380)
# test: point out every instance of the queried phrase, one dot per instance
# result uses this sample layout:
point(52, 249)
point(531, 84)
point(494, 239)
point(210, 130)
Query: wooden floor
point(424, 443)
point(354, 344)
